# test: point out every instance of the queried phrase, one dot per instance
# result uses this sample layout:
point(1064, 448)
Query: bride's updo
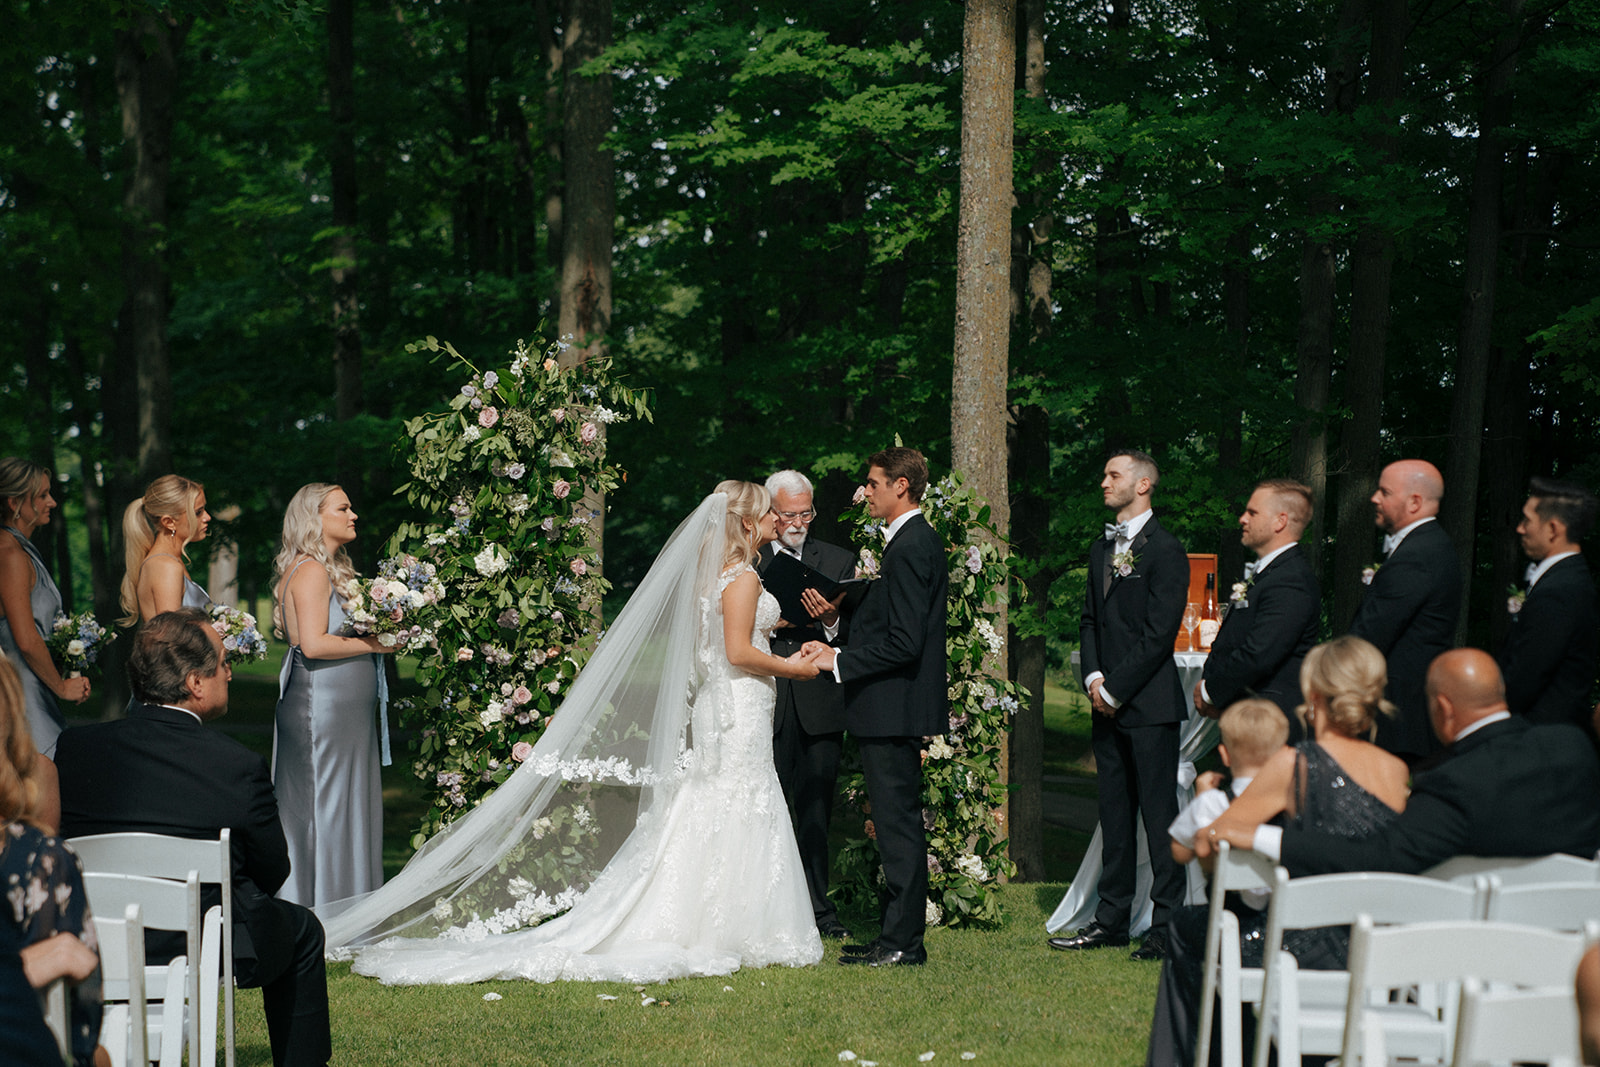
point(747, 503)
point(1349, 674)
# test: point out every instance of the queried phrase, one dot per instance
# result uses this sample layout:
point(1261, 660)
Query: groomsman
point(1548, 658)
point(1413, 600)
point(1271, 620)
point(808, 723)
point(1138, 586)
point(895, 694)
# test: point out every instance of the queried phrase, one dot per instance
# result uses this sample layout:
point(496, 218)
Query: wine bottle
point(1209, 623)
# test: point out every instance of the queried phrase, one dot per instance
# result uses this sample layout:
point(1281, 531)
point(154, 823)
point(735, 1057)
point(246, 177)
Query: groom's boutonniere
point(1514, 599)
point(1369, 573)
point(1123, 562)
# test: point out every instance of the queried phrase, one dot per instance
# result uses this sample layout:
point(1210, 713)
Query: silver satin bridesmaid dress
point(45, 719)
point(325, 770)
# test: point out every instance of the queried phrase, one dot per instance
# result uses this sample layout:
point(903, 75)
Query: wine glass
point(1191, 621)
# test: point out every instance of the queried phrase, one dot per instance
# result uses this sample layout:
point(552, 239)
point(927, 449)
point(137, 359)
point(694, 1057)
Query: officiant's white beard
point(793, 539)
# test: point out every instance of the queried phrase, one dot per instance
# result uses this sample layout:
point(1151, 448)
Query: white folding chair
point(1516, 870)
point(163, 856)
point(1553, 905)
point(55, 1017)
point(1383, 960)
point(122, 1027)
point(1506, 1026)
point(1302, 1011)
point(164, 905)
point(1226, 979)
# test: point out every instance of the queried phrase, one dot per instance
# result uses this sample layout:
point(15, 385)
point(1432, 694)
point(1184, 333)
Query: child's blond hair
point(1253, 730)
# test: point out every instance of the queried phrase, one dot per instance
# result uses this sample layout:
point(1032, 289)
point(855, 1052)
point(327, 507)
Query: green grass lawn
point(1001, 995)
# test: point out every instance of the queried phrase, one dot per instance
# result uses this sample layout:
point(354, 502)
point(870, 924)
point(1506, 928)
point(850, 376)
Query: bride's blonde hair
point(302, 536)
point(747, 503)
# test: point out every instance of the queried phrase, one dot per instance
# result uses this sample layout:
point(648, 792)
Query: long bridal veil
point(640, 723)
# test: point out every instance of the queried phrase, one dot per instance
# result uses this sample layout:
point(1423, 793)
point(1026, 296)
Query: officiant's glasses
point(798, 516)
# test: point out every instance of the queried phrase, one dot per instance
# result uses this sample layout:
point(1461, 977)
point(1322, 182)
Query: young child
point(1252, 732)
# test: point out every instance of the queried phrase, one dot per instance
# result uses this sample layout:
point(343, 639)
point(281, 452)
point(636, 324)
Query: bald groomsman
point(1412, 602)
point(1548, 658)
point(1272, 614)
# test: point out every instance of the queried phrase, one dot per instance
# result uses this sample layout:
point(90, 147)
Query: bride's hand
point(801, 666)
point(820, 653)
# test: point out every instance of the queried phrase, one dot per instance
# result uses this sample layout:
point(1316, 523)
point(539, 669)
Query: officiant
point(808, 722)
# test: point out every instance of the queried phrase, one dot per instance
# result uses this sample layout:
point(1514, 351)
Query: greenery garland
point(505, 470)
point(961, 784)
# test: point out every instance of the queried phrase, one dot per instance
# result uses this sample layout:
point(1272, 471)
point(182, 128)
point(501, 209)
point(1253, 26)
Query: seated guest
point(1548, 658)
point(1588, 990)
point(1253, 731)
point(160, 770)
point(1503, 787)
point(46, 932)
point(1336, 785)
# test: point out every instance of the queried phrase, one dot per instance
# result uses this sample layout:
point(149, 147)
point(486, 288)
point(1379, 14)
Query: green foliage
point(508, 475)
point(961, 787)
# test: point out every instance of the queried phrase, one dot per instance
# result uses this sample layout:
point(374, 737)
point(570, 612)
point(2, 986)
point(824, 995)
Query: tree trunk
point(147, 74)
point(1371, 270)
point(589, 197)
point(1028, 442)
point(544, 19)
point(1459, 513)
point(983, 267)
point(347, 354)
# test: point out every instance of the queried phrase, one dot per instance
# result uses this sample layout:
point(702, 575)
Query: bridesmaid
point(155, 530)
point(29, 602)
point(325, 740)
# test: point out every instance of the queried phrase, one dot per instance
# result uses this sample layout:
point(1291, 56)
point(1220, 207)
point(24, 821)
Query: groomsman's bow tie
point(1250, 569)
point(1115, 530)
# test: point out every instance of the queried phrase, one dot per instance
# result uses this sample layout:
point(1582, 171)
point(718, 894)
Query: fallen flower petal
point(491, 996)
point(646, 1002)
point(846, 1056)
point(727, 989)
point(969, 1055)
point(605, 996)
point(925, 1057)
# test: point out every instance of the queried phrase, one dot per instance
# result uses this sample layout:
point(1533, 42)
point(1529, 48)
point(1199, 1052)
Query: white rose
point(415, 598)
point(74, 648)
point(397, 589)
point(388, 640)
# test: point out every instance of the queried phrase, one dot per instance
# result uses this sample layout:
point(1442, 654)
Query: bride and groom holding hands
point(649, 819)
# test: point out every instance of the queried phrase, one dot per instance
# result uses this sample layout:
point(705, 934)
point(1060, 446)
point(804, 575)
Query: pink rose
point(589, 432)
point(561, 488)
point(579, 567)
point(521, 751)
point(549, 364)
point(521, 695)
point(488, 417)
point(463, 654)
point(860, 494)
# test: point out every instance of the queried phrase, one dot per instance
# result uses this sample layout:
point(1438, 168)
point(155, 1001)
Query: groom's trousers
point(893, 769)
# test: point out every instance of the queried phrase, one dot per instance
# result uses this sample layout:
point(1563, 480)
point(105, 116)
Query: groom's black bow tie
point(1115, 530)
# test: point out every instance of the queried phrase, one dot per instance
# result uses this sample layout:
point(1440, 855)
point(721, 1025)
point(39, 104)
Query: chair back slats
point(123, 1030)
point(1517, 870)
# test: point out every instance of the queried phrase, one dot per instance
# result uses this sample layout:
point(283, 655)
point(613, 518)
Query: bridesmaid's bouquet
point(75, 642)
point(241, 639)
point(393, 605)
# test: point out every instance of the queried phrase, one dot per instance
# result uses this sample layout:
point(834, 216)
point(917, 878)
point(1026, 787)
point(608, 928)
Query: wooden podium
point(1200, 565)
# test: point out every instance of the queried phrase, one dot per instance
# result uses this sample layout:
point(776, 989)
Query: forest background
point(1255, 239)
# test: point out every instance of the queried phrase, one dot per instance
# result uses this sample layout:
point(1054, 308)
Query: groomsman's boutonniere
point(1240, 597)
point(1514, 599)
point(1123, 562)
point(1369, 573)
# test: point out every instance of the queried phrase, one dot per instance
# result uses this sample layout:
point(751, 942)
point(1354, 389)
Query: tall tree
point(343, 191)
point(588, 182)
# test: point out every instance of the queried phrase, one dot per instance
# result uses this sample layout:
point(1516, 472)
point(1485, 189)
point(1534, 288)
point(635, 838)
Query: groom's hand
point(819, 653)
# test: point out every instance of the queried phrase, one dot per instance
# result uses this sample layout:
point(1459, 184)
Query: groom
point(893, 673)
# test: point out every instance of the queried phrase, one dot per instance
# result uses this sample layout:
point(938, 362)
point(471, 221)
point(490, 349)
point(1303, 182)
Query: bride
point(645, 836)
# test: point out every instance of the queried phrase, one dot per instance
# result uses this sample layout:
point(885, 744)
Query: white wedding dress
point(707, 878)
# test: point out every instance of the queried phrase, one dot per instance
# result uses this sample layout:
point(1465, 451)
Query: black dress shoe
point(1154, 947)
point(832, 929)
point(858, 950)
point(1092, 936)
point(883, 957)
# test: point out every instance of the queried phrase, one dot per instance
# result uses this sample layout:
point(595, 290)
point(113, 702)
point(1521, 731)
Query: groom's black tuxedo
point(161, 771)
point(808, 733)
point(1507, 789)
point(895, 695)
point(1548, 658)
point(1126, 633)
point(1258, 650)
point(1410, 613)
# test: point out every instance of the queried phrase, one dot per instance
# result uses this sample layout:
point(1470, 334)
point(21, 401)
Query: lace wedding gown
point(706, 881)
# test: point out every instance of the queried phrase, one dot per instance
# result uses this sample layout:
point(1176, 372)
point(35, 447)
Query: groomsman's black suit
point(1507, 789)
point(161, 771)
point(1410, 613)
point(1127, 633)
point(808, 731)
point(1258, 650)
point(1548, 658)
point(895, 694)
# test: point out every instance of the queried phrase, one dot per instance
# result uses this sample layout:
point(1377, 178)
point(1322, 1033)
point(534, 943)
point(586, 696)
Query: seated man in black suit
point(1548, 658)
point(1413, 600)
point(1271, 620)
point(161, 771)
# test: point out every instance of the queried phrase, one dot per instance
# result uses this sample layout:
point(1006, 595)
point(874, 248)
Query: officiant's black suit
point(895, 694)
point(1258, 650)
point(808, 732)
point(1409, 613)
point(1548, 658)
point(161, 771)
point(1507, 789)
point(1127, 631)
